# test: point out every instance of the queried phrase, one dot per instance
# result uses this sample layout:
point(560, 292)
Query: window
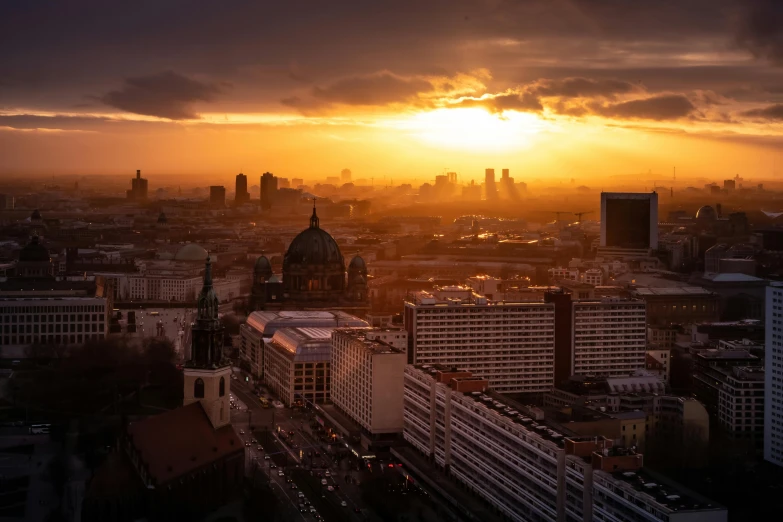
point(222, 390)
point(198, 388)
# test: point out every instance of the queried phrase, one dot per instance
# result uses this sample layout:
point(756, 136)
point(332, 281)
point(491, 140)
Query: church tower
point(208, 373)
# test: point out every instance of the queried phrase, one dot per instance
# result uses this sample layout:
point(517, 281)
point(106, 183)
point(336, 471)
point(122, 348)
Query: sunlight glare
point(474, 128)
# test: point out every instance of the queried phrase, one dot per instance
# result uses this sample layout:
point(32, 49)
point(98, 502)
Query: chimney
point(138, 174)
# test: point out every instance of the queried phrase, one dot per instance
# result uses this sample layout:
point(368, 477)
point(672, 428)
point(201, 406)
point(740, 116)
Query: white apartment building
point(296, 364)
point(509, 344)
point(367, 377)
point(773, 376)
point(178, 289)
point(261, 326)
point(558, 273)
point(52, 320)
point(609, 336)
point(527, 471)
point(593, 276)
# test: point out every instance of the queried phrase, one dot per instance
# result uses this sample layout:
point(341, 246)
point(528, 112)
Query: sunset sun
point(473, 128)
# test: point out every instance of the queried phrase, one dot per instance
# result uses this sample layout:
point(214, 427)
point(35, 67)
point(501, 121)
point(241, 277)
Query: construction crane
point(558, 212)
point(580, 214)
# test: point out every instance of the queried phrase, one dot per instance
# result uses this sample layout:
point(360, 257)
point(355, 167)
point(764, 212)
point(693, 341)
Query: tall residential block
point(773, 376)
point(241, 194)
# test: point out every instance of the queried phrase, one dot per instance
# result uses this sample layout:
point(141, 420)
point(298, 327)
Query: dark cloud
point(771, 113)
point(582, 88)
point(380, 88)
point(165, 95)
point(760, 28)
point(661, 107)
point(511, 101)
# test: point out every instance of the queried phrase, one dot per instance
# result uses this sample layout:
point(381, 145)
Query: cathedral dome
point(357, 263)
point(313, 246)
point(34, 252)
point(191, 252)
point(706, 213)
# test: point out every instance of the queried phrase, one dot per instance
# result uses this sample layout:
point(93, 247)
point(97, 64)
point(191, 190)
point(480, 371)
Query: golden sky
point(393, 90)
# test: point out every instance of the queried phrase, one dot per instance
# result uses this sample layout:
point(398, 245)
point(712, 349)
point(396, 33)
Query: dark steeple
point(207, 332)
point(314, 221)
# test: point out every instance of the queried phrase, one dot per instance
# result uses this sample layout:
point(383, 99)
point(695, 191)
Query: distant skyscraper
point(345, 175)
point(283, 183)
point(241, 195)
point(217, 196)
point(489, 184)
point(297, 182)
point(138, 190)
point(629, 220)
point(268, 190)
point(773, 383)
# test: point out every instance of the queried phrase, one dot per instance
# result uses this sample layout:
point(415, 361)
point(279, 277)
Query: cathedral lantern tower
point(208, 372)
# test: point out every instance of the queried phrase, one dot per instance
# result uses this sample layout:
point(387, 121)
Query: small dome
point(357, 263)
point(706, 213)
point(262, 265)
point(191, 252)
point(34, 252)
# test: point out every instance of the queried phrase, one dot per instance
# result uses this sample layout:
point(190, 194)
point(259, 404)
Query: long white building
point(509, 344)
point(773, 376)
point(367, 377)
point(527, 471)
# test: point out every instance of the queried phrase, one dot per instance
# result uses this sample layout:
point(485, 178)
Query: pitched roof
point(179, 441)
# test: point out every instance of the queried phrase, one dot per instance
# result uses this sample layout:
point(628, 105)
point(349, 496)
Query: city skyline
point(567, 89)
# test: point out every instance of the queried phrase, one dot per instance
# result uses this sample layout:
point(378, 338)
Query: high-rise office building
point(268, 190)
point(241, 194)
point(629, 221)
point(345, 175)
point(773, 376)
point(490, 188)
point(138, 190)
point(217, 196)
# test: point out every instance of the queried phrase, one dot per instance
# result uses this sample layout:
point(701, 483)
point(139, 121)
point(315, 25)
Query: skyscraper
point(217, 196)
point(489, 184)
point(241, 195)
point(268, 190)
point(138, 190)
point(345, 175)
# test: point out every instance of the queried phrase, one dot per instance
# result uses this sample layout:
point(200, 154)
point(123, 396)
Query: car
point(291, 433)
point(317, 453)
point(267, 457)
point(305, 502)
point(254, 441)
point(273, 466)
point(260, 448)
point(247, 444)
point(280, 473)
point(289, 480)
point(323, 482)
point(329, 488)
point(293, 486)
point(336, 487)
point(300, 494)
point(313, 510)
point(241, 432)
point(344, 503)
point(327, 473)
point(357, 510)
point(303, 509)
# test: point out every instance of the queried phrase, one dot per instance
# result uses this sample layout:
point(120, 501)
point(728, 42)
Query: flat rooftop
point(671, 291)
point(377, 347)
point(673, 496)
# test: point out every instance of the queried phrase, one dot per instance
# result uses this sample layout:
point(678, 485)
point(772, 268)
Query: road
point(299, 445)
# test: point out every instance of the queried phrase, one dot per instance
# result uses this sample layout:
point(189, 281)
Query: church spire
point(207, 332)
point(314, 221)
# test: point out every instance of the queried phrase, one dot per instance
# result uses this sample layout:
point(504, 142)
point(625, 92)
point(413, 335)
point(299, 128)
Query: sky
point(392, 89)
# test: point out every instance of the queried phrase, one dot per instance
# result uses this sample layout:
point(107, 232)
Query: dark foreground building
point(184, 463)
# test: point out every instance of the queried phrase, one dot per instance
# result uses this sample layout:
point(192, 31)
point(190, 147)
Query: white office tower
point(773, 376)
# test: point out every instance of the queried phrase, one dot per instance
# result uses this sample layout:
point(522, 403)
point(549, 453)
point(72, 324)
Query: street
point(306, 461)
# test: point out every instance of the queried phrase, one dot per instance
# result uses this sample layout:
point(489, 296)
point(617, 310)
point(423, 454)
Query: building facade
point(297, 365)
point(367, 377)
point(527, 471)
point(509, 344)
point(773, 376)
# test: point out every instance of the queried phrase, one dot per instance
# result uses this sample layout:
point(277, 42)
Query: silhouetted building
point(490, 188)
point(268, 190)
point(138, 190)
point(345, 175)
point(6, 202)
point(314, 276)
point(629, 222)
point(241, 194)
point(217, 196)
point(186, 462)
